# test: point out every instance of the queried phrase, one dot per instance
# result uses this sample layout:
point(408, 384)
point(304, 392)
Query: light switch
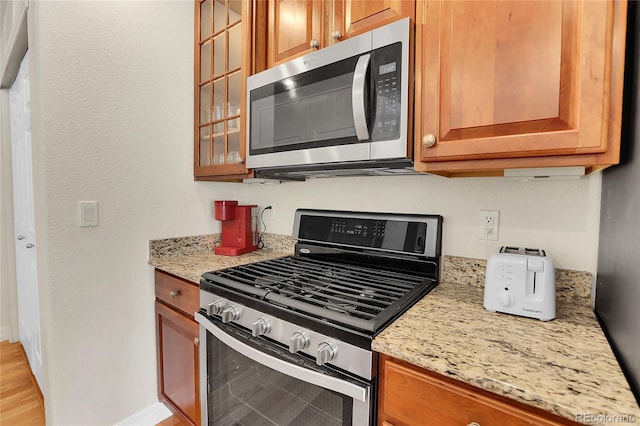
point(88, 213)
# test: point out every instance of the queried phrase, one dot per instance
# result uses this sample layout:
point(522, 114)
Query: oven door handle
point(358, 97)
point(343, 387)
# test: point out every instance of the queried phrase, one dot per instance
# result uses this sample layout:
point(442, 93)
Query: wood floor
point(172, 421)
point(20, 400)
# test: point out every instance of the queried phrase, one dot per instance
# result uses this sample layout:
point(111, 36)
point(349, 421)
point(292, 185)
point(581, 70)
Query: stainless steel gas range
point(287, 341)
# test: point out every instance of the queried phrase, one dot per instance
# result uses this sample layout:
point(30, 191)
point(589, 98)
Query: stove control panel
point(399, 233)
point(324, 349)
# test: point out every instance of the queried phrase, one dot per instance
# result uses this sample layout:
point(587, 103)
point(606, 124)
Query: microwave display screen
point(387, 68)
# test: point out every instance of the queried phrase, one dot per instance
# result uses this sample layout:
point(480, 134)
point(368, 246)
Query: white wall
point(112, 121)
point(561, 217)
point(112, 102)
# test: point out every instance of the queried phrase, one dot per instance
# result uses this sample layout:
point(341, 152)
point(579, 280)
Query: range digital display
point(396, 235)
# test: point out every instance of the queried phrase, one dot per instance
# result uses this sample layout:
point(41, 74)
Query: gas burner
point(263, 282)
point(369, 293)
point(341, 307)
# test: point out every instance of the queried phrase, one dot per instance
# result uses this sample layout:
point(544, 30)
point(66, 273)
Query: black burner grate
point(355, 295)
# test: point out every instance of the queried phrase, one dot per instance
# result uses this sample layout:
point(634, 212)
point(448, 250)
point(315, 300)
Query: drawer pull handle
point(175, 293)
point(474, 424)
point(196, 341)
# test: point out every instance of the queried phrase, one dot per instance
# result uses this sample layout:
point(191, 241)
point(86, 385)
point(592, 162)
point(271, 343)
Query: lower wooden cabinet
point(177, 347)
point(411, 396)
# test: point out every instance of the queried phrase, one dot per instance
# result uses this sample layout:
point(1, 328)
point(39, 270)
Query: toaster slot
point(535, 267)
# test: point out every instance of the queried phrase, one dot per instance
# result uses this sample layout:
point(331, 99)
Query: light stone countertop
point(190, 257)
point(564, 366)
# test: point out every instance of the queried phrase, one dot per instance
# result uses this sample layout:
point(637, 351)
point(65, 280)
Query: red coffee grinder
point(239, 228)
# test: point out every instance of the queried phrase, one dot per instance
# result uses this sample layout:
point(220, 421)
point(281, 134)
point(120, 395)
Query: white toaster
point(521, 281)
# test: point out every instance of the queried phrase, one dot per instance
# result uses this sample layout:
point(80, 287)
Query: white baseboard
point(150, 416)
point(5, 333)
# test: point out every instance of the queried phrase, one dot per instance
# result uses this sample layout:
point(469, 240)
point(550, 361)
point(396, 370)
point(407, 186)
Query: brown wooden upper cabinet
point(511, 84)
point(297, 27)
point(222, 62)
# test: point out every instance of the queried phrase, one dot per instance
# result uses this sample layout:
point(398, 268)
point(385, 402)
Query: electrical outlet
point(269, 213)
point(488, 221)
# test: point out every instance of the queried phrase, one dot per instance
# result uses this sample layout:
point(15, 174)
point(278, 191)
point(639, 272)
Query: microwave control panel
point(386, 71)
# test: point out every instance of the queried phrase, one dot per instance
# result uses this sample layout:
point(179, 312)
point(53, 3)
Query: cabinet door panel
point(410, 396)
point(222, 54)
point(505, 79)
point(362, 16)
point(178, 362)
point(292, 26)
point(502, 48)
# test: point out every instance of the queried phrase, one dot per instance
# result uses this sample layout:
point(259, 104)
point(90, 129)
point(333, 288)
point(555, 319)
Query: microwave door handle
point(358, 97)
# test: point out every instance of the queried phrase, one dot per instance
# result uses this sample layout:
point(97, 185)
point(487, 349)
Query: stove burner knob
point(326, 352)
point(216, 307)
point(298, 342)
point(260, 327)
point(230, 314)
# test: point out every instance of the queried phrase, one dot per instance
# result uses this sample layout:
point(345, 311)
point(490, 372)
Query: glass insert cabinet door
point(219, 83)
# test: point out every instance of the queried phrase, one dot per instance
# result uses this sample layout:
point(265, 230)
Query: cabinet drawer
point(177, 293)
point(411, 397)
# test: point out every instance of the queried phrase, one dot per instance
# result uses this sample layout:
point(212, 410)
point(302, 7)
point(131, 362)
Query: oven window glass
point(244, 392)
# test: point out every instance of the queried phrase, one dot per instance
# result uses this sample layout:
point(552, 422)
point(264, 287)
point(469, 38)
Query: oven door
point(247, 381)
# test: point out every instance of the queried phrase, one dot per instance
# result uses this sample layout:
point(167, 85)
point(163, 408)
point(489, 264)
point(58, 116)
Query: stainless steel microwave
point(342, 110)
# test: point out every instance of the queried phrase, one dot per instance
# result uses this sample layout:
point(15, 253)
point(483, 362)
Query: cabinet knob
point(20, 237)
point(196, 341)
point(174, 293)
point(240, 160)
point(314, 44)
point(336, 35)
point(474, 424)
point(429, 140)
point(29, 245)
